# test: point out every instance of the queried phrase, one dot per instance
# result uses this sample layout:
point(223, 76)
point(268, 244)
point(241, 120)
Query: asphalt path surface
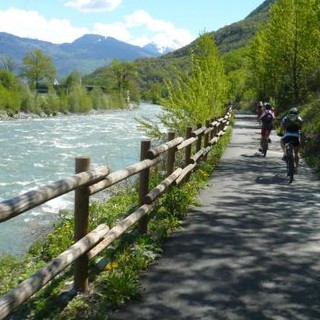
point(250, 251)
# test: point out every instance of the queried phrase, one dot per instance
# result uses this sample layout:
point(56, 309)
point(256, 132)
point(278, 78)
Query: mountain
point(156, 50)
point(235, 35)
point(83, 55)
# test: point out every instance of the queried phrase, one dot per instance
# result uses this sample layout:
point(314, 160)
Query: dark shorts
point(295, 140)
point(265, 132)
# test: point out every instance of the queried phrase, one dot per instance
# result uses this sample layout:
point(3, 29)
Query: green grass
point(311, 134)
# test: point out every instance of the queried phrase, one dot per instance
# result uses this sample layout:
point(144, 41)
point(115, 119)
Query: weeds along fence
point(87, 182)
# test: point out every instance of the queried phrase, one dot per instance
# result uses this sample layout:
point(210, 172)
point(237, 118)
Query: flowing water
point(36, 152)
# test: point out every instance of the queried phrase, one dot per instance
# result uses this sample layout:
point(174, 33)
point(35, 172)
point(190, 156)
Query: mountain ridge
point(234, 35)
point(84, 54)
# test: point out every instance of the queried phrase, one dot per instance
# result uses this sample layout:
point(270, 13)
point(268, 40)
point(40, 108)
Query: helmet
point(294, 111)
point(267, 106)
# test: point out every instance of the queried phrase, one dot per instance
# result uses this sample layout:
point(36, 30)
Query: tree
point(123, 74)
point(37, 68)
point(8, 63)
point(286, 50)
point(201, 93)
point(8, 80)
point(10, 99)
point(235, 64)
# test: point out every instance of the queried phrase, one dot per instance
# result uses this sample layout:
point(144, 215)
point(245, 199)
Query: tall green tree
point(199, 94)
point(8, 63)
point(8, 80)
point(286, 51)
point(10, 99)
point(123, 75)
point(37, 68)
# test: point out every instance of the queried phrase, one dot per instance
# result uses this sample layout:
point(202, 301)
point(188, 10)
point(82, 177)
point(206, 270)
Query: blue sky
point(167, 23)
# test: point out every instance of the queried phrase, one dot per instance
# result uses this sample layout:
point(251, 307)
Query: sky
point(166, 23)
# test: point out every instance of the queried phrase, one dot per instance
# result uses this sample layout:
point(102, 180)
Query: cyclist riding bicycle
point(266, 120)
point(292, 124)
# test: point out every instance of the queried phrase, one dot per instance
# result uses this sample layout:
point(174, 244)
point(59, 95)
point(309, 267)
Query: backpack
point(267, 120)
point(292, 122)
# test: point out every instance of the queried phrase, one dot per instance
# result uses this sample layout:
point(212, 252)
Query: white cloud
point(139, 28)
point(33, 25)
point(117, 30)
point(94, 5)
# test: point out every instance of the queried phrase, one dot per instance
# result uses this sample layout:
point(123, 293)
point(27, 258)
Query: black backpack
point(267, 120)
point(292, 122)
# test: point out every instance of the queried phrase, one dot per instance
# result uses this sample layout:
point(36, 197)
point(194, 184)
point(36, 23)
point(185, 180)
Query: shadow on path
point(250, 251)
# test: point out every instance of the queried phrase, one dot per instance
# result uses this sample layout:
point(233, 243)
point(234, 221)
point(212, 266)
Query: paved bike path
point(250, 251)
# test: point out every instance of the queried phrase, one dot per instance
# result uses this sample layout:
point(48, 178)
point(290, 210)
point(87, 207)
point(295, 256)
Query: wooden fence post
point(81, 216)
point(220, 125)
point(212, 131)
point(188, 151)
point(188, 148)
point(171, 155)
point(206, 139)
point(198, 144)
point(144, 186)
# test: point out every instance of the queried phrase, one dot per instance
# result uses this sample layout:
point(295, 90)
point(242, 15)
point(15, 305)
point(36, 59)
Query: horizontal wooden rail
point(186, 170)
point(186, 143)
point(122, 174)
point(209, 129)
point(15, 206)
point(198, 131)
point(214, 123)
point(31, 285)
point(121, 227)
point(207, 149)
point(197, 156)
point(152, 153)
point(162, 187)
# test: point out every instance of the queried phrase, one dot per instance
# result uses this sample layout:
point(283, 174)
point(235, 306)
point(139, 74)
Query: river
point(35, 152)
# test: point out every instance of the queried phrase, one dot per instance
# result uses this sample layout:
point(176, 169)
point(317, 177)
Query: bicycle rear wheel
point(264, 147)
point(290, 168)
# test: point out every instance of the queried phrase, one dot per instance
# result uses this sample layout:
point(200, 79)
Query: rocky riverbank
point(25, 115)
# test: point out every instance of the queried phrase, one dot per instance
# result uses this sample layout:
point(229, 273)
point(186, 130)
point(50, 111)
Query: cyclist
point(266, 120)
point(259, 110)
point(292, 124)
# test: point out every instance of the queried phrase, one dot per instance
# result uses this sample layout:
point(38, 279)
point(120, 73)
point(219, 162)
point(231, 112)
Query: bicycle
point(289, 158)
point(265, 140)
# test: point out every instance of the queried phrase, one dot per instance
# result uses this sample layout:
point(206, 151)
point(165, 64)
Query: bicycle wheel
point(290, 163)
point(290, 170)
point(264, 147)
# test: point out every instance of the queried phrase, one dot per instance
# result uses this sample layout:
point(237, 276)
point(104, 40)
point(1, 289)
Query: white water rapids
point(36, 152)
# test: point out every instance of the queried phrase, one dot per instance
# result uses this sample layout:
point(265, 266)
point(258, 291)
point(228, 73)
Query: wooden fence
point(87, 182)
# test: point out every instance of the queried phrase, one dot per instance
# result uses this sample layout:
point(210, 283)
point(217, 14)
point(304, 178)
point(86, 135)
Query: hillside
point(235, 35)
point(84, 54)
